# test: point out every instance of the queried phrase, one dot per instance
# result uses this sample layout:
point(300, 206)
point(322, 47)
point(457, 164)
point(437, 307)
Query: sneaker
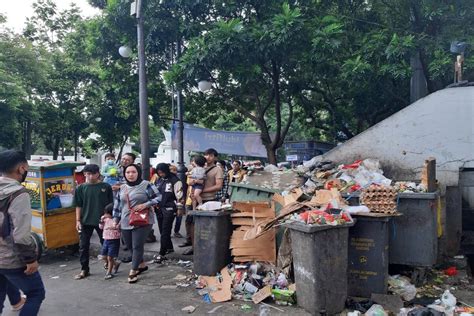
point(158, 258)
point(178, 235)
point(151, 239)
point(108, 276)
point(20, 304)
point(82, 275)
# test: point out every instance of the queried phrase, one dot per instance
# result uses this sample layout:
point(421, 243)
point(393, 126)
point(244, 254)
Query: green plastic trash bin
point(248, 192)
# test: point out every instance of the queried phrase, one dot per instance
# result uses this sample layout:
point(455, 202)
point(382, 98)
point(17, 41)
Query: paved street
point(96, 296)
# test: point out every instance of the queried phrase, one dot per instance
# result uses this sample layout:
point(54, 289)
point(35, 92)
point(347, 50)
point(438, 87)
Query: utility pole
point(142, 92)
point(181, 167)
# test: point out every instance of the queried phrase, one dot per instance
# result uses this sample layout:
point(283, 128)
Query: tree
point(23, 74)
point(253, 60)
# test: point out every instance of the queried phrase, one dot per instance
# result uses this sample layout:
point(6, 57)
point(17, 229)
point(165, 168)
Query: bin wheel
point(39, 245)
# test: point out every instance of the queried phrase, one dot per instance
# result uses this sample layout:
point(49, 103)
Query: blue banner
point(231, 143)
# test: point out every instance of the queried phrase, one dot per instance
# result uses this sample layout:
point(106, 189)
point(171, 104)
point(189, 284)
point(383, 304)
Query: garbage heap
point(254, 281)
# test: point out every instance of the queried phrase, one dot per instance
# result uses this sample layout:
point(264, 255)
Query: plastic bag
point(376, 310)
point(270, 168)
point(372, 165)
point(401, 285)
point(357, 209)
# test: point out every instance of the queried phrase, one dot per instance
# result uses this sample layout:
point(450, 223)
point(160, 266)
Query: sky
point(17, 11)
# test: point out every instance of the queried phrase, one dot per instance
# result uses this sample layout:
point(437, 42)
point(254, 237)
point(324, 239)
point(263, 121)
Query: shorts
point(111, 248)
point(198, 186)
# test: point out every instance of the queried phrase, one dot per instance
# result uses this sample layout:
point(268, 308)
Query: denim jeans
point(31, 285)
point(13, 293)
point(85, 243)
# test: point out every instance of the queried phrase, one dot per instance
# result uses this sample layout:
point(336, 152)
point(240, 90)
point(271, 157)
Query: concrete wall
point(440, 125)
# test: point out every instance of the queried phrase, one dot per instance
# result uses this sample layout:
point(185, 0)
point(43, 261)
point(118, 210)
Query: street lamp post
point(142, 92)
point(181, 168)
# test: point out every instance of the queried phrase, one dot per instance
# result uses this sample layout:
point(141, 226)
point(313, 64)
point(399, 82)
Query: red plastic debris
point(354, 165)
point(451, 271)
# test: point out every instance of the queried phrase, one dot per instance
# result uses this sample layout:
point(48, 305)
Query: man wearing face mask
point(18, 258)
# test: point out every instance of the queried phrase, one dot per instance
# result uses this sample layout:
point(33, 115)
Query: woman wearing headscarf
point(139, 195)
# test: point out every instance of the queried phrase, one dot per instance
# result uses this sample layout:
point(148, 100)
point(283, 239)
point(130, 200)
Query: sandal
point(141, 270)
point(82, 275)
point(106, 266)
point(132, 278)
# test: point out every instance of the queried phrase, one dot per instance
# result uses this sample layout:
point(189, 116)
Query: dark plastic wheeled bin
point(368, 255)
point(212, 232)
point(320, 265)
point(414, 235)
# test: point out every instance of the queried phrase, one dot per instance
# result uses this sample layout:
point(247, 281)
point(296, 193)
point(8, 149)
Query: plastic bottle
point(264, 310)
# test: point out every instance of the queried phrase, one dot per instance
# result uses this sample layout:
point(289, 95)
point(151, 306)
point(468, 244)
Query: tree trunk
point(271, 155)
point(56, 146)
point(27, 130)
point(75, 146)
point(122, 145)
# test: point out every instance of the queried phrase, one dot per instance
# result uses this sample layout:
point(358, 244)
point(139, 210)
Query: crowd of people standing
point(163, 200)
point(116, 203)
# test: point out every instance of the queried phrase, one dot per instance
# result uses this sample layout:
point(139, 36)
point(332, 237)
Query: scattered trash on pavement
point(189, 309)
point(401, 285)
point(215, 309)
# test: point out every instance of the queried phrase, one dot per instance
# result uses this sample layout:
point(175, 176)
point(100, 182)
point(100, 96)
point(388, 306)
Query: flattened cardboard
point(249, 206)
point(297, 193)
point(322, 197)
point(244, 221)
point(262, 294)
point(268, 214)
point(223, 293)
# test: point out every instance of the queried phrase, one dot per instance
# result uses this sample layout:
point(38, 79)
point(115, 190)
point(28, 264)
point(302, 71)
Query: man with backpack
point(18, 257)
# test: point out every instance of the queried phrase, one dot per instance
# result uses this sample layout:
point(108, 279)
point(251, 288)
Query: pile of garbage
point(249, 282)
point(435, 295)
point(349, 178)
point(319, 217)
point(345, 178)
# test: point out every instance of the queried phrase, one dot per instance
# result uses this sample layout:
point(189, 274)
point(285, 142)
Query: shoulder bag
point(137, 218)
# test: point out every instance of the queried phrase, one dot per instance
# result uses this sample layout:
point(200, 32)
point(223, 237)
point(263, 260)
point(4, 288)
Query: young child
point(110, 171)
point(198, 173)
point(111, 246)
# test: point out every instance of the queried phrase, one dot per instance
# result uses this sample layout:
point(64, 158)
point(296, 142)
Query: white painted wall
point(440, 125)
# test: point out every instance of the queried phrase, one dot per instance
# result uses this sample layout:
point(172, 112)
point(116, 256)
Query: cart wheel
point(39, 245)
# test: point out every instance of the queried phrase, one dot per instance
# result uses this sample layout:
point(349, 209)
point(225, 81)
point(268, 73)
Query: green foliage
point(345, 65)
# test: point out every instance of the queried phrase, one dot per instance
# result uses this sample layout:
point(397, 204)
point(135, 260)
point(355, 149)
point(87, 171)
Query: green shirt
point(92, 198)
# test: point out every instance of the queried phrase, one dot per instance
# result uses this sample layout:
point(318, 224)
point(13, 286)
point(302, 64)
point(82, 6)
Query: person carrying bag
point(133, 209)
